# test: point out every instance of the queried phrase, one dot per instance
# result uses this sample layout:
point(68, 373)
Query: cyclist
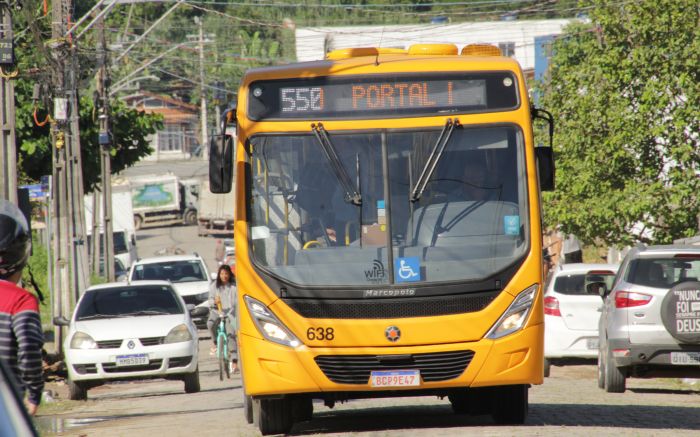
point(22, 338)
point(223, 290)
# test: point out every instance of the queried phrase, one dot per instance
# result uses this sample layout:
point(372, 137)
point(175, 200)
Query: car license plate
point(395, 378)
point(592, 343)
point(132, 360)
point(685, 358)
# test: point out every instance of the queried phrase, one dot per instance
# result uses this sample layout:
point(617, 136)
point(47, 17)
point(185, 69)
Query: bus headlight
point(269, 325)
point(514, 318)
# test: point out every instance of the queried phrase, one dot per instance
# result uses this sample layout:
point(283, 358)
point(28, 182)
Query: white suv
point(650, 324)
point(571, 311)
point(188, 274)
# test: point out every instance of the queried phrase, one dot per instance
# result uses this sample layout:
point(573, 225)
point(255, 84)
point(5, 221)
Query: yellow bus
point(388, 231)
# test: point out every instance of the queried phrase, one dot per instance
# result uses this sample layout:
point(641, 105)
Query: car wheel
point(191, 381)
point(138, 222)
point(77, 391)
point(510, 404)
point(601, 368)
point(272, 416)
point(615, 380)
point(547, 366)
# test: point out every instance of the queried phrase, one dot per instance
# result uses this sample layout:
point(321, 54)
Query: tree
point(130, 128)
point(624, 90)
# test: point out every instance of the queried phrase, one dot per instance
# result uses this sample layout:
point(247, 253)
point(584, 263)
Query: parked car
point(136, 330)
point(120, 272)
point(188, 274)
point(571, 311)
point(650, 325)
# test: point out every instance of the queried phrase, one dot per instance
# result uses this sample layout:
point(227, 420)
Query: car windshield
point(142, 300)
point(173, 271)
point(576, 283)
point(663, 272)
point(469, 222)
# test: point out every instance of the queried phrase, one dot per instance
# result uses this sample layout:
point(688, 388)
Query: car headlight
point(201, 297)
point(178, 334)
point(82, 341)
point(514, 318)
point(269, 325)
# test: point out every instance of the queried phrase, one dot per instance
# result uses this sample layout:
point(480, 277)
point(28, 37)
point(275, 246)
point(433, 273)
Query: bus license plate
point(685, 358)
point(592, 343)
point(395, 378)
point(132, 360)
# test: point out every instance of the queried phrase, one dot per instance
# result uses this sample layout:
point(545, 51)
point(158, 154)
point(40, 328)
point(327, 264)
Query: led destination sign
point(381, 97)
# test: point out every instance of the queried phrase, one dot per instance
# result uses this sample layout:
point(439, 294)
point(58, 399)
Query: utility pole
point(205, 136)
point(8, 151)
point(79, 259)
point(105, 142)
point(62, 240)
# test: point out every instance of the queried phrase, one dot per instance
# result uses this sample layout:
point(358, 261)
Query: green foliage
point(130, 128)
point(624, 91)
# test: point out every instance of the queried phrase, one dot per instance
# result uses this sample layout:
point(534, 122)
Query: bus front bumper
point(270, 369)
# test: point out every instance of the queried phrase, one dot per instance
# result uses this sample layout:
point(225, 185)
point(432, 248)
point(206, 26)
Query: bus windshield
point(470, 221)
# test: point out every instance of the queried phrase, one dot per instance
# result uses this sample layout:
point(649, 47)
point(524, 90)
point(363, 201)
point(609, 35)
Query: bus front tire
point(510, 404)
point(248, 408)
point(474, 401)
point(272, 416)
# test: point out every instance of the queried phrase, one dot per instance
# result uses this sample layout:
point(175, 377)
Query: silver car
point(650, 324)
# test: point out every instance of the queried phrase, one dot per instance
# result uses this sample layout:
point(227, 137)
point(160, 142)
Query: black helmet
point(15, 241)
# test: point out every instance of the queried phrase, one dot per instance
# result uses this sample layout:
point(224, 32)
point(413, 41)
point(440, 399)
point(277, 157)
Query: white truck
point(164, 199)
point(123, 232)
point(215, 212)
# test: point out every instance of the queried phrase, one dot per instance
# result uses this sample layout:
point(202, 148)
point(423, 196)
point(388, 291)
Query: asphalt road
point(569, 403)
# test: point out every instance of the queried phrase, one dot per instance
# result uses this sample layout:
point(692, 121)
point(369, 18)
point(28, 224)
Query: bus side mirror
point(545, 167)
point(221, 158)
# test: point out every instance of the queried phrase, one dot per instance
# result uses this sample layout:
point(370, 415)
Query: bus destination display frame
point(382, 96)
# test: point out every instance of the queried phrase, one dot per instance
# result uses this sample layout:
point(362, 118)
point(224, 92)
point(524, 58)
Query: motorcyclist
point(22, 340)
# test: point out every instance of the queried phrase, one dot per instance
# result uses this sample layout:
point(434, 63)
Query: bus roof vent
point(433, 49)
point(362, 51)
point(481, 50)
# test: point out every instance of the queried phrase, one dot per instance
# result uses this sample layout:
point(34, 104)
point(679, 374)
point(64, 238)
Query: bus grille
point(391, 308)
point(355, 369)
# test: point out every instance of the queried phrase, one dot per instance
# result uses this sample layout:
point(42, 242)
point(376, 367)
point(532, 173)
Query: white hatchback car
point(572, 308)
point(187, 273)
point(137, 330)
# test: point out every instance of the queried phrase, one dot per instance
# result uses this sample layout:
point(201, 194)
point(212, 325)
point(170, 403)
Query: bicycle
point(222, 345)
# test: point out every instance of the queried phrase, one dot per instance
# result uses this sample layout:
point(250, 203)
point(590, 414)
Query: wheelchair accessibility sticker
point(511, 225)
point(407, 269)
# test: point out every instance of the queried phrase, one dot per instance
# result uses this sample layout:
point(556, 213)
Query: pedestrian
point(22, 338)
point(220, 252)
point(222, 293)
point(571, 249)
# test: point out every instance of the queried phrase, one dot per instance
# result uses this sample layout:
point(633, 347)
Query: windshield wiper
point(146, 313)
point(352, 195)
point(99, 316)
point(433, 159)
